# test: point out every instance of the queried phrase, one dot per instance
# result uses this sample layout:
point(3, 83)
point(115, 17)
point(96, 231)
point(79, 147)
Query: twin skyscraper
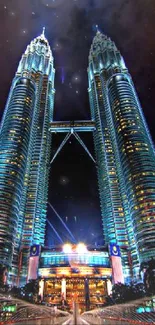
point(125, 156)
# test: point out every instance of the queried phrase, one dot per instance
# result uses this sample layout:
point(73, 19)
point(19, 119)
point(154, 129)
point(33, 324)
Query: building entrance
point(89, 293)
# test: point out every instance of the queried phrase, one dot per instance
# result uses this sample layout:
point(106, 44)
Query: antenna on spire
point(43, 32)
point(97, 29)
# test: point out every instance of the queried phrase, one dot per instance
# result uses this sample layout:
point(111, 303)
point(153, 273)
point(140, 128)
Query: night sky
point(70, 28)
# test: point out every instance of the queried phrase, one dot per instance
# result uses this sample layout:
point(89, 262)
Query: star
point(76, 78)
point(12, 13)
point(24, 31)
point(64, 180)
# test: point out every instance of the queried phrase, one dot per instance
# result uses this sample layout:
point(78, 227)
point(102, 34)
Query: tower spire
point(97, 29)
point(43, 32)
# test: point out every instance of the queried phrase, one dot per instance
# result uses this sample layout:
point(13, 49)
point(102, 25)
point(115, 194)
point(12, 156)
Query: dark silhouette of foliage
point(31, 290)
point(16, 292)
point(2, 270)
point(149, 277)
point(109, 301)
point(148, 268)
point(122, 293)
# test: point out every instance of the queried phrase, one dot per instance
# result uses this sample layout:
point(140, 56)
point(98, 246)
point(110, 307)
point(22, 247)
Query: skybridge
point(72, 126)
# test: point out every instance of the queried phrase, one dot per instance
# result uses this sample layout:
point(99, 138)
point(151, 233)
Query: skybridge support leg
point(61, 146)
point(84, 146)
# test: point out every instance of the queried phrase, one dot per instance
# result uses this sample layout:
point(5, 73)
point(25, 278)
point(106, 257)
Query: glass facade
point(14, 143)
point(91, 258)
point(124, 153)
point(25, 143)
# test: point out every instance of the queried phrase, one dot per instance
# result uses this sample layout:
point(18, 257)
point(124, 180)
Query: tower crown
point(104, 55)
point(37, 57)
point(41, 39)
point(40, 45)
point(101, 41)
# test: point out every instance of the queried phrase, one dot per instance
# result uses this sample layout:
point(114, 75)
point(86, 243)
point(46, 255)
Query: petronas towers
point(124, 154)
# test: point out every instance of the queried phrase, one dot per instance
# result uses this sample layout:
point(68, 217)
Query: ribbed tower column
point(137, 161)
point(124, 154)
point(14, 144)
point(30, 105)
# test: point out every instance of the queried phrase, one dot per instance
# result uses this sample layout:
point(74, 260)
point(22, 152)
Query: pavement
point(49, 316)
point(70, 322)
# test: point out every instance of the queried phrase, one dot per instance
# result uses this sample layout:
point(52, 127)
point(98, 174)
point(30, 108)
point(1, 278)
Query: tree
point(31, 290)
point(16, 292)
point(149, 277)
point(109, 301)
point(148, 269)
point(138, 290)
point(122, 292)
point(2, 274)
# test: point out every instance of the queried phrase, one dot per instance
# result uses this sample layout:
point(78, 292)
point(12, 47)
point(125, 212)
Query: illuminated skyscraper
point(25, 144)
point(124, 153)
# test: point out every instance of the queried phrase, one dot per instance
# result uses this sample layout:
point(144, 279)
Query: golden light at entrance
point(81, 248)
point(67, 248)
